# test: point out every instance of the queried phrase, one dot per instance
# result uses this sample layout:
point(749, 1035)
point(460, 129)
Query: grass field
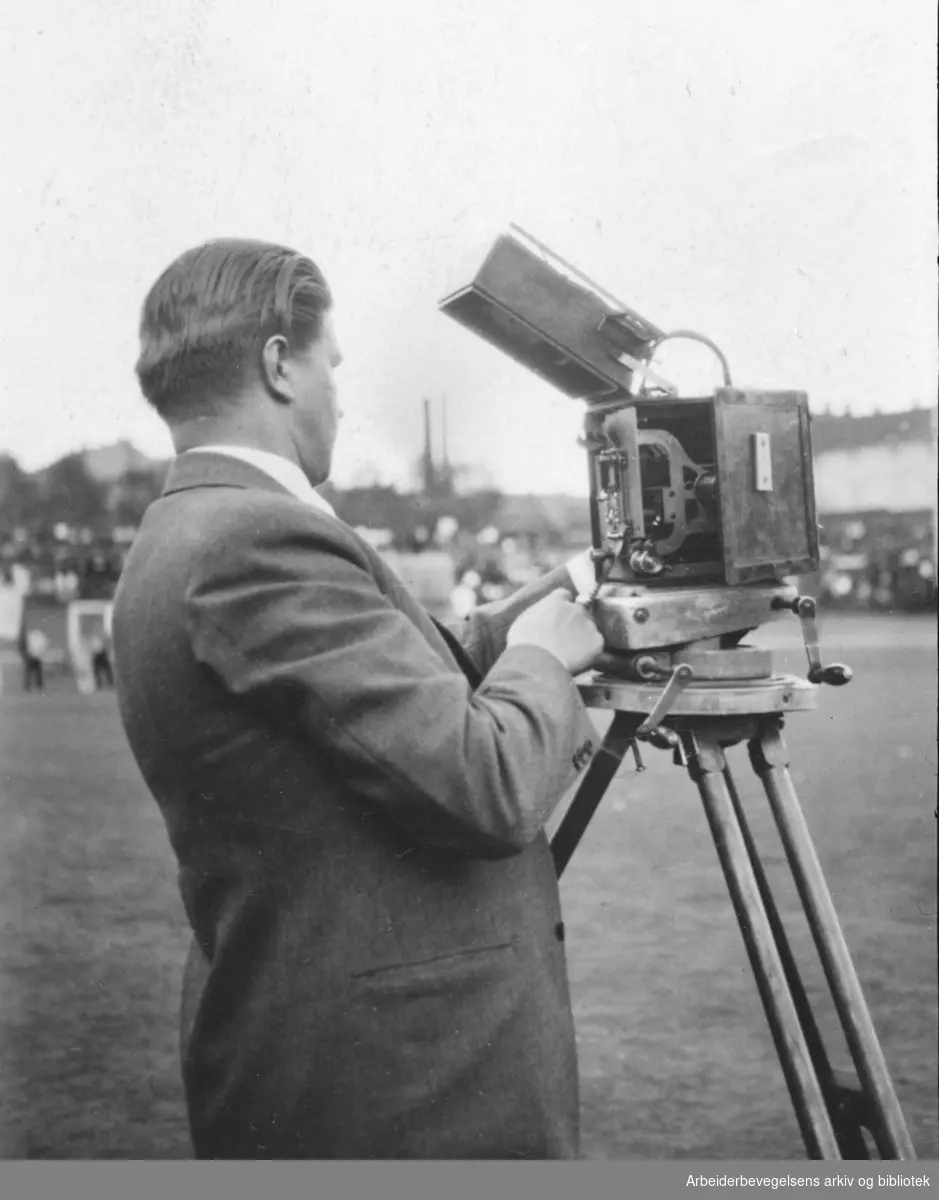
point(676, 1058)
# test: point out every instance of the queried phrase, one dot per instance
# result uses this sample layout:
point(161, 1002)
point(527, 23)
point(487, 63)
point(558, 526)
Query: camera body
point(708, 490)
point(701, 507)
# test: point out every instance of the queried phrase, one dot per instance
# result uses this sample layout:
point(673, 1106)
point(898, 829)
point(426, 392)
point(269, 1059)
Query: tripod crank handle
point(806, 609)
point(650, 730)
point(835, 675)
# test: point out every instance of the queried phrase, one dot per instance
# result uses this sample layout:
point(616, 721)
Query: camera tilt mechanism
point(702, 510)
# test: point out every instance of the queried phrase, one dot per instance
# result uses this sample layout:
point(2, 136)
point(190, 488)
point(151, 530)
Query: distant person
point(36, 645)
point(66, 586)
point(98, 578)
point(22, 578)
point(464, 598)
point(101, 664)
point(356, 796)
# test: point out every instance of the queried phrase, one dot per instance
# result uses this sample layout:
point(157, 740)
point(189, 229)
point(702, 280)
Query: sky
point(761, 171)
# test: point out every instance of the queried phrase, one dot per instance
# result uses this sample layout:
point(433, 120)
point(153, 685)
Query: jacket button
point(559, 931)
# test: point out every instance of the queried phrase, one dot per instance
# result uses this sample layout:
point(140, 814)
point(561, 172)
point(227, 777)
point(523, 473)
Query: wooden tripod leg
point(599, 775)
point(771, 762)
point(706, 765)
point(839, 1098)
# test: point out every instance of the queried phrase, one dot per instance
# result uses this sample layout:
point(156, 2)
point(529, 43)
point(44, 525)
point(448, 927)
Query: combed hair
point(207, 317)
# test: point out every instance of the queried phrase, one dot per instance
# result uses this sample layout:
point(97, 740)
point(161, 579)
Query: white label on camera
point(762, 463)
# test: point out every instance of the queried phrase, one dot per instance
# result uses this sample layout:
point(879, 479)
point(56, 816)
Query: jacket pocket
point(439, 972)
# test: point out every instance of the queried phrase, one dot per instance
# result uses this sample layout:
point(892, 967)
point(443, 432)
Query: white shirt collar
point(286, 473)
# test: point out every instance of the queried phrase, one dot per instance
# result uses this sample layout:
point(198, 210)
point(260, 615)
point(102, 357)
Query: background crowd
point(65, 532)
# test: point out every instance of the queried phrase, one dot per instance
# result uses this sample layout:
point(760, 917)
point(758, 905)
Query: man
point(356, 798)
point(35, 645)
point(101, 663)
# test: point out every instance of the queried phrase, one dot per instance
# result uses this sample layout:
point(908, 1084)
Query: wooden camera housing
point(714, 489)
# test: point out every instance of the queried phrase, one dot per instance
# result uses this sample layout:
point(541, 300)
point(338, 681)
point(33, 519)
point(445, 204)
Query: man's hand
point(583, 573)
point(561, 627)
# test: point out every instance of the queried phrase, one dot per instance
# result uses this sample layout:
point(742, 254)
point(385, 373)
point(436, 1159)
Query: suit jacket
point(356, 800)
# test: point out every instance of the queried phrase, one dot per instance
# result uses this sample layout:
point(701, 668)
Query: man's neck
point(244, 430)
point(286, 472)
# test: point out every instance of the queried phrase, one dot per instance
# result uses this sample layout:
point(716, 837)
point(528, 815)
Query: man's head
point(237, 344)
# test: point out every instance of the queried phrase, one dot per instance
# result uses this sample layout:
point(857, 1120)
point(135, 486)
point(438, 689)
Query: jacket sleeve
point(294, 622)
point(484, 631)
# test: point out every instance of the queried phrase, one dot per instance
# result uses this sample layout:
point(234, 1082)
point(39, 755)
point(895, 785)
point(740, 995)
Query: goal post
point(86, 620)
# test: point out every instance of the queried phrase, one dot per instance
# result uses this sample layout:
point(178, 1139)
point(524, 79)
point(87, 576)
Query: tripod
point(698, 721)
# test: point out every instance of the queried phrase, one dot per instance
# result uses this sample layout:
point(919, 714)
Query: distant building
point(107, 464)
point(544, 521)
point(885, 461)
point(876, 497)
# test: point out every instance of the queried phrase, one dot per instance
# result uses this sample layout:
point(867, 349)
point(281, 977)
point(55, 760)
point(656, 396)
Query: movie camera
point(702, 510)
point(702, 507)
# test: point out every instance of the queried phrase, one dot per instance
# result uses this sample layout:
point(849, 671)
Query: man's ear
point(275, 372)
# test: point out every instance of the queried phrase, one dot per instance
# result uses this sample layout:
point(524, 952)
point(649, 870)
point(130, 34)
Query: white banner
point(11, 612)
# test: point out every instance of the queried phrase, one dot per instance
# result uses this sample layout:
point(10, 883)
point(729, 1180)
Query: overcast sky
point(759, 170)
